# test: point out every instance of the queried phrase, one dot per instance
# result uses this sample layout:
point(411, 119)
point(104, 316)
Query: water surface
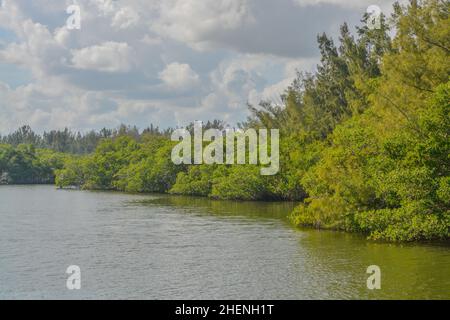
point(171, 247)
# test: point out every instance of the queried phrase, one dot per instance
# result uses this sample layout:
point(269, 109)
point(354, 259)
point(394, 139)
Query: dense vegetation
point(25, 164)
point(364, 141)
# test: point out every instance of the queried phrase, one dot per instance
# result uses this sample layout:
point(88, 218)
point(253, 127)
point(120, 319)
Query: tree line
point(74, 141)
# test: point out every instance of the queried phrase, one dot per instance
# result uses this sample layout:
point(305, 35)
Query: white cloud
point(108, 57)
point(160, 61)
point(125, 18)
point(282, 27)
point(179, 76)
point(193, 20)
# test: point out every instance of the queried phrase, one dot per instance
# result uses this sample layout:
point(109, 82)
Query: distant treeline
point(83, 143)
point(364, 141)
point(75, 142)
point(30, 158)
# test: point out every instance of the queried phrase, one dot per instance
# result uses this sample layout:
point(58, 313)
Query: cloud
point(108, 57)
point(162, 61)
point(281, 28)
point(124, 18)
point(179, 76)
point(204, 18)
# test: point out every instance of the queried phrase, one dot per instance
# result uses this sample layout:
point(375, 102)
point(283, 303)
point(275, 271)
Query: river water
point(172, 247)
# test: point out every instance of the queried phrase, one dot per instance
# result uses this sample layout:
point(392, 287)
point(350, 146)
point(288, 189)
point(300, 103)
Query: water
point(168, 247)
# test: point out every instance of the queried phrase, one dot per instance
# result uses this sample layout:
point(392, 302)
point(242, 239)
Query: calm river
point(170, 247)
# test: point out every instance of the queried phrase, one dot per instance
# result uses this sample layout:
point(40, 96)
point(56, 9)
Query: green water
point(170, 247)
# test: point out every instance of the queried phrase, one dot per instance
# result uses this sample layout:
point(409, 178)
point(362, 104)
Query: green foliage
point(26, 165)
point(395, 189)
point(123, 164)
point(73, 173)
point(197, 181)
point(162, 172)
point(415, 220)
point(242, 182)
point(386, 171)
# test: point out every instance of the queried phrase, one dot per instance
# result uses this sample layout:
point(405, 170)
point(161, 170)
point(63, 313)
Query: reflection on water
point(205, 206)
point(169, 247)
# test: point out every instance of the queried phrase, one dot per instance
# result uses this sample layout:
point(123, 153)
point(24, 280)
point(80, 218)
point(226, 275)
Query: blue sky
point(166, 62)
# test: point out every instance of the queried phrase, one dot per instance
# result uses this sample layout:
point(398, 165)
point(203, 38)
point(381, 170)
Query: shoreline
point(439, 242)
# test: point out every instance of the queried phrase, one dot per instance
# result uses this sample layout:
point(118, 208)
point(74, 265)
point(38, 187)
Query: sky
point(166, 62)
